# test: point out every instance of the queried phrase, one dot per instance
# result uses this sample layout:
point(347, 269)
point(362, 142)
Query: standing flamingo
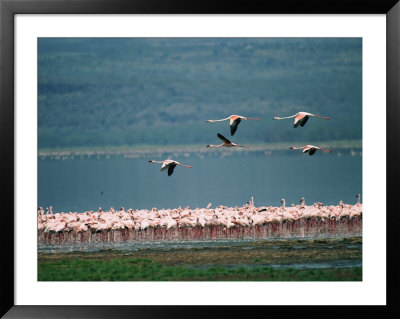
point(301, 118)
point(169, 164)
point(302, 202)
point(226, 142)
point(234, 121)
point(358, 199)
point(309, 148)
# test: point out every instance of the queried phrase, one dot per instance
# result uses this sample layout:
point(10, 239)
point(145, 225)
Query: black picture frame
point(8, 8)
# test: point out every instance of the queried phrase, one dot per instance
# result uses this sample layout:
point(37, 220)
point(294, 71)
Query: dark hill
point(100, 92)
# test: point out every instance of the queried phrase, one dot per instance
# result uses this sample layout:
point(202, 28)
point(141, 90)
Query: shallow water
point(220, 177)
point(299, 253)
point(345, 263)
point(246, 243)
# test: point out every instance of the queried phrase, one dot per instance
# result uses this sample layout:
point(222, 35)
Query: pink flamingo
point(358, 199)
point(302, 202)
point(301, 118)
point(226, 142)
point(234, 121)
point(169, 164)
point(309, 148)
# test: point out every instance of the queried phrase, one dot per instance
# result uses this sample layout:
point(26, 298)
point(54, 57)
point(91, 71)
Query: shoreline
point(318, 259)
point(185, 150)
point(258, 252)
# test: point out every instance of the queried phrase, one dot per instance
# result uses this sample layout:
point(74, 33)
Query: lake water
point(219, 177)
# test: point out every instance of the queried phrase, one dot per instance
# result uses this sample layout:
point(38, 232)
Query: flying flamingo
point(301, 118)
point(309, 148)
point(169, 164)
point(226, 143)
point(234, 121)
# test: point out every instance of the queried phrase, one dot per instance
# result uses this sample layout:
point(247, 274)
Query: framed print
point(98, 97)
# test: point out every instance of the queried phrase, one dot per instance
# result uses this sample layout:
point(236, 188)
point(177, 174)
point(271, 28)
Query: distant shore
point(179, 150)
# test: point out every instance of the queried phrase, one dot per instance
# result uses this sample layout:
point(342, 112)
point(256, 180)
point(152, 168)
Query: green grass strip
point(133, 269)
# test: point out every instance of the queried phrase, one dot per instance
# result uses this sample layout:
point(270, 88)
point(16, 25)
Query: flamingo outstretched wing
point(300, 119)
point(171, 168)
point(304, 121)
point(164, 166)
point(224, 139)
point(312, 151)
point(234, 125)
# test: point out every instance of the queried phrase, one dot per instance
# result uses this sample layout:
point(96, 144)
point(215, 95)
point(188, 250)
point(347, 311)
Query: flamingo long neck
point(211, 145)
point(159, 162)
point(218, 120)
point(283, 118)
point(298, 148)
point(248, 118)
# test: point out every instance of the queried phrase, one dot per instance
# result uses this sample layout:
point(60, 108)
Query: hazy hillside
point(98, 92)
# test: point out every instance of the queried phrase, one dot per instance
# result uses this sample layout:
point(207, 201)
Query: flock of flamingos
point(200, 223)
point(204, 223)
point(301, 119)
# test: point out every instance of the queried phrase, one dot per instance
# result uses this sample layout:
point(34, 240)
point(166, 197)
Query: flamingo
point(40, 211)
point(301, 118)
point(234, 121)
point(309, 148)
point(358, 199)
point(169, 164)
point(302, 202)
point(226, 142)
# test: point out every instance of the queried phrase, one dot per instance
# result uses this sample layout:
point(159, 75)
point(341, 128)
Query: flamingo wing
point(234, 125)
point(312, 151)
point(224, 139)
point(297, 119)
point(171, 168)
point(164, 166)
point(304, 121)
